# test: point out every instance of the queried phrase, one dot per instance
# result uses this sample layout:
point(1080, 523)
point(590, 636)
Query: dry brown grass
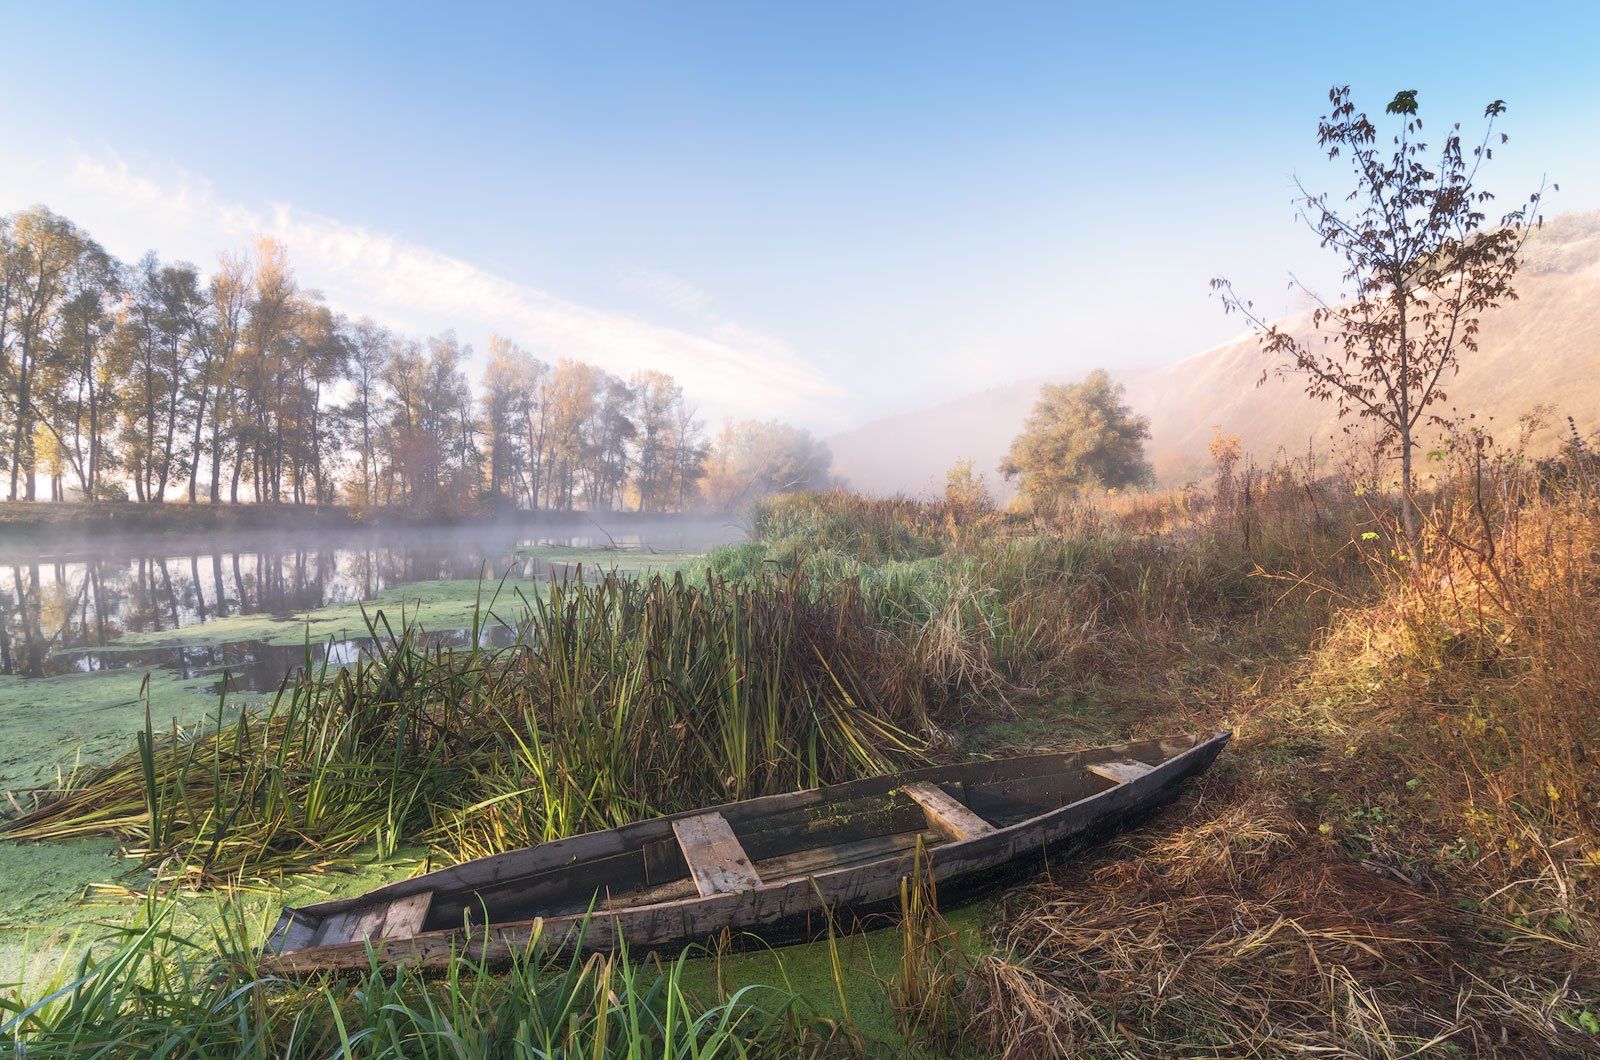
point(1018, 1012)
point(1399, 855)
point(1234, 929)
point(1478, 678)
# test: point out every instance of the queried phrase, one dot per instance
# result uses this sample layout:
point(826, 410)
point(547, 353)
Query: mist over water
point(70, 610)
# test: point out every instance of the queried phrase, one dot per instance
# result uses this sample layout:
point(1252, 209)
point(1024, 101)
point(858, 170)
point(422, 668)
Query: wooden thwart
point(716, 859)
point(945, 813)
point(1122, 771)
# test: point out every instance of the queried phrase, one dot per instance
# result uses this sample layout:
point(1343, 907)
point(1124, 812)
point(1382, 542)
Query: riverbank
point(95, 642)
point(1395, 857)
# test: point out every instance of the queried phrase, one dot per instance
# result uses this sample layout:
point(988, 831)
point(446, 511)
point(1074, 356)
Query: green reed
point(156, 990)
point(620, 699)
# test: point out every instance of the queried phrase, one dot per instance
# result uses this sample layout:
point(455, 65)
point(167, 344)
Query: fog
point(1535, 351)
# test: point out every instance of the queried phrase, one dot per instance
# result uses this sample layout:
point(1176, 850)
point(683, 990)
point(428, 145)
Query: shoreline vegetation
point(768, 687)
point(74, 698)
point(1398, 855)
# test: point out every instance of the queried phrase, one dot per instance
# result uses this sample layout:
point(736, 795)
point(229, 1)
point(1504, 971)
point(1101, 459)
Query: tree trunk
point(20, 429)
point(146, 468)
point(216, 451)
point(199, 433)
point(90, 492)
point(1408, 504)
point(316, 445)
point(369, 463)
point(165, 473)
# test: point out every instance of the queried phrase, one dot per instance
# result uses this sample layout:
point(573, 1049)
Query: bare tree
point(1420, 268)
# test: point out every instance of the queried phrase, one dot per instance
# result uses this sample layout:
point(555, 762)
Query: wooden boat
point(775, 867)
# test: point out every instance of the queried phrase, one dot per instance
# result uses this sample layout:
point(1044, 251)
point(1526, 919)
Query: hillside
point(1543, 349)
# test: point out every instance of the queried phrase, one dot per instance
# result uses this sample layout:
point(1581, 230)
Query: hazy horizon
point(821, 218)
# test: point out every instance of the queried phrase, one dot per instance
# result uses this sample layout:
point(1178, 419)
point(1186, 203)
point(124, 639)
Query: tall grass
point(924, 989)
point(1484, 654)
point(1402, 855)
point(1399, 856)
point(156, 992)
point(1007, 607)
point(873, 530)
point(621, 699)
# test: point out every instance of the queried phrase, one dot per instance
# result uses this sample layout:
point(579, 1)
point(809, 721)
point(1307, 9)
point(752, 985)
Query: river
point(93, 631)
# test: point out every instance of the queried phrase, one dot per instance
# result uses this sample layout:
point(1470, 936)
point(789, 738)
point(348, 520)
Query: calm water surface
point(65, 611)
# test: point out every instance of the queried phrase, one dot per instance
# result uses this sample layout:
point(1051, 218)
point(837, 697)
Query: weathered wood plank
point(399, 919)
point(293, 931)
point(1006, 802)
point(717, 862)
point(670, 891)
point(789, 833)
point(406, 915)
point(566, 888)
point(335, 928)
point(945, 813)
point(845, 855)
point(1121, 771)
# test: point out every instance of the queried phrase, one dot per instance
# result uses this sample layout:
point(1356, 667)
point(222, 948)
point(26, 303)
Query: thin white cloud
point(673, 292)
point(727, 368)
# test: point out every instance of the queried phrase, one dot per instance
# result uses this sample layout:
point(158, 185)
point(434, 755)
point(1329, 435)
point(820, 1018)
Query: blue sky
point(816, 211)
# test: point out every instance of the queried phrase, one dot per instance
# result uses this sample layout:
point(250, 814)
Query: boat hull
point(779, 912)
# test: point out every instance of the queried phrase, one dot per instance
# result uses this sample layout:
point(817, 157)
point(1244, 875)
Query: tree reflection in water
point(64, 614)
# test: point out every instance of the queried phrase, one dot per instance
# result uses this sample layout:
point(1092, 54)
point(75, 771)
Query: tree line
point(150, 381)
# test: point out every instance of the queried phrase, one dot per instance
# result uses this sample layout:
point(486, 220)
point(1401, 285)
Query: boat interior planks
point(398, 919)
point(777, 868)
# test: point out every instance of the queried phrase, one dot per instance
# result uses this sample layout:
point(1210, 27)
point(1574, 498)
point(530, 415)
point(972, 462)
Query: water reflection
point(65, 614)
point(250, 665)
